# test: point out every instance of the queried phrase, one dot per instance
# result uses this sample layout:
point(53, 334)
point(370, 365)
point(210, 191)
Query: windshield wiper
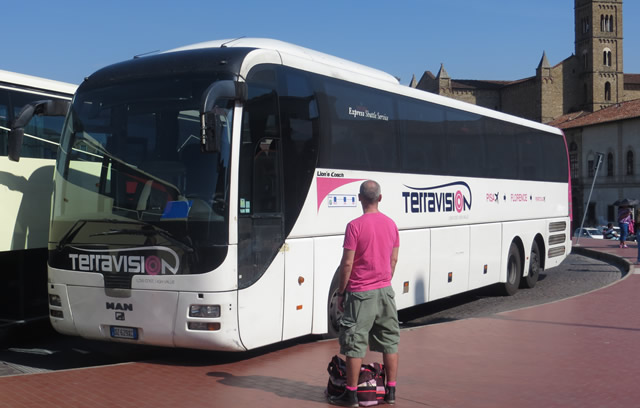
point(148, 230)
point(71, 234)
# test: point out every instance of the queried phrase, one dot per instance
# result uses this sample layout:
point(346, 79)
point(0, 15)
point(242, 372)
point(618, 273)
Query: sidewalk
point(580, 352)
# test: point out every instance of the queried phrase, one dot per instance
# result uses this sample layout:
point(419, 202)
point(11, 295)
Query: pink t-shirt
point(372, 236)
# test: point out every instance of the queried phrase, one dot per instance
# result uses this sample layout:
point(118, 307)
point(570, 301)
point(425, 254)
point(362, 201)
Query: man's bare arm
point(345, 268)
point(394, 260)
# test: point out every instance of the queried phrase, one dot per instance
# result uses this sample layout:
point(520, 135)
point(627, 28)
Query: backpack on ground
point(370, 381)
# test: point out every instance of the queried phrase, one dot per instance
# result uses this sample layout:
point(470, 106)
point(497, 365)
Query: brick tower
point(598, 33)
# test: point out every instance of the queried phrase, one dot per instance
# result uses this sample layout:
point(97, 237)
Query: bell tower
point(598, 33)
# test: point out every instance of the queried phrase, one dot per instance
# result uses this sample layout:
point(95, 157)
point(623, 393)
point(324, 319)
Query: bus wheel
point(513, 271)
point(535, 267)
point(333, 313)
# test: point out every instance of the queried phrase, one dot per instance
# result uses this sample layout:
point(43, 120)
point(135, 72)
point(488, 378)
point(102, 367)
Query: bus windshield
point(131, 174)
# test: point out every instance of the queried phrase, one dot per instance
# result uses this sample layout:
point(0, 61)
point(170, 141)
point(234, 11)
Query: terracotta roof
point(478, 84)
point(632, 79)
point(620, 111)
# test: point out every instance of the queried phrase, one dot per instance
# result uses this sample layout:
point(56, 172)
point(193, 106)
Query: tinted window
point(4, 120)
point(465, 141)
point(501, 158)
point(42, 134)
point(299, 121)
point(422, 136)
point(359, 128)
point(367, 129)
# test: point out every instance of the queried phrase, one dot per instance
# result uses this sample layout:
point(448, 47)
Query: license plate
point(124, 332)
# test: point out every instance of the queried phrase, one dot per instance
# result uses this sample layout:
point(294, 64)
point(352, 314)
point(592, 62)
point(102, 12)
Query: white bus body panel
point(298, 288)
point(414, 268)
point(485, 255)
point(26, 197)
point(515, 200)
point(260, 307)
point(449, 261)
point(153, 314)
point(328, 253)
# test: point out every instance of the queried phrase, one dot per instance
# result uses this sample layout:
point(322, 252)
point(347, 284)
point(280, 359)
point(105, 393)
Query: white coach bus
point(201, 195)
point(25, 196)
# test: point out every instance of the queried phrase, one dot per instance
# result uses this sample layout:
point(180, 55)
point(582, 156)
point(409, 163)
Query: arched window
point(629, 163)
point(610, 23)
point(610, 165)
point(602, 26)
point(607, 91)
point(606, 57)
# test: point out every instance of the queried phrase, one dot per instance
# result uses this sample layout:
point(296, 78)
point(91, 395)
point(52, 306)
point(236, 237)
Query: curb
point(622, 263)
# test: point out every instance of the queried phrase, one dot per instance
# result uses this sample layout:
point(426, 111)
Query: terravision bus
point(201, 195)
point(26, 189)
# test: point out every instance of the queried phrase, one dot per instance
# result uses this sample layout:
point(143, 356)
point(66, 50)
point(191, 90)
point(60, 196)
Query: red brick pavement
point(579, 352)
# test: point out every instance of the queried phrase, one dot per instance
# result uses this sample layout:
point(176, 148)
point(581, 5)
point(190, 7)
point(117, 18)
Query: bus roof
point(36, 83)
point(388, 81)
point(297, 51)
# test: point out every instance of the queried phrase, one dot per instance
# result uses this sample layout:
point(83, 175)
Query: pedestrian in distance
point(609, 232)
point(370, 319)
point(625, 222)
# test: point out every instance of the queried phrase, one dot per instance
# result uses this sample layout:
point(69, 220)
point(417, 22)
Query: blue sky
point(67, 40)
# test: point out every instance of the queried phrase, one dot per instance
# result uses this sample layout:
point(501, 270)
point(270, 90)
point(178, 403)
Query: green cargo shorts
point(370, 319)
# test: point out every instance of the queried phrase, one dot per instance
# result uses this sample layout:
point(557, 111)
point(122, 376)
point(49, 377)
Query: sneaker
point(625, 246)
point(390, 395)
point(346, 399)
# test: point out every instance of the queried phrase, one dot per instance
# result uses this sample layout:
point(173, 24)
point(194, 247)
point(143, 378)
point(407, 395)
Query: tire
point(333, 314)
point(535, 267)
point(514, 271)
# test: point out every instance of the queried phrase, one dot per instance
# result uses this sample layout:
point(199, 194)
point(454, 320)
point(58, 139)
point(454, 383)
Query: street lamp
point(586, 207)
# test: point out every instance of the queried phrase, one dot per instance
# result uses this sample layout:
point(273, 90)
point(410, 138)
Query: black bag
point(370, 381)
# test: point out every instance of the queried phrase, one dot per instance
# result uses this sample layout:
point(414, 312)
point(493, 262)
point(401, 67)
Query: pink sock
point(352, 388)
point(391, 383)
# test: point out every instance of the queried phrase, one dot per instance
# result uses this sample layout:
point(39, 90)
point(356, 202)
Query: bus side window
point(42, 135)
point(4, 121)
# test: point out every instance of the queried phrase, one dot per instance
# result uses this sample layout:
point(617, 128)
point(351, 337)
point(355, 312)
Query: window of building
point(607, 91)
point(606, 23)
point(611, 24)
point(591, 167)
point(585, 25)
point(629, 163)
point(573, 160)
point(606, 57)
point(610, 165)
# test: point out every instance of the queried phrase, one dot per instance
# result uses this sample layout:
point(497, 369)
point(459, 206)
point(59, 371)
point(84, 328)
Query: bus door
point(260, 220)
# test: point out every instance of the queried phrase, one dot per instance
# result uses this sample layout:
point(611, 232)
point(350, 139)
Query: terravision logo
point(154, 260)
point(445, 198)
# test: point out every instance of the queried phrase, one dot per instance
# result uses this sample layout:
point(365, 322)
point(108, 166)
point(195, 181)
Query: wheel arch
point(543, 249)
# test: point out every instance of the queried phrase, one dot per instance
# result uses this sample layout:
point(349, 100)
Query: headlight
point(204, 311)
point(54, 300)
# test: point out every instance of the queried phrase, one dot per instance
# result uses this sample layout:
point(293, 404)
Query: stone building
point(587, 81)
point(614, 133)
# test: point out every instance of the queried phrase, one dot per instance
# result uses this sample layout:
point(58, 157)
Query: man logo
point(120, 316)
point(120, 306)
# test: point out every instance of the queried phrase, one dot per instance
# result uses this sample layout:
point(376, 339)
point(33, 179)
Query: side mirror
point(46, 108)
point(212, 117)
